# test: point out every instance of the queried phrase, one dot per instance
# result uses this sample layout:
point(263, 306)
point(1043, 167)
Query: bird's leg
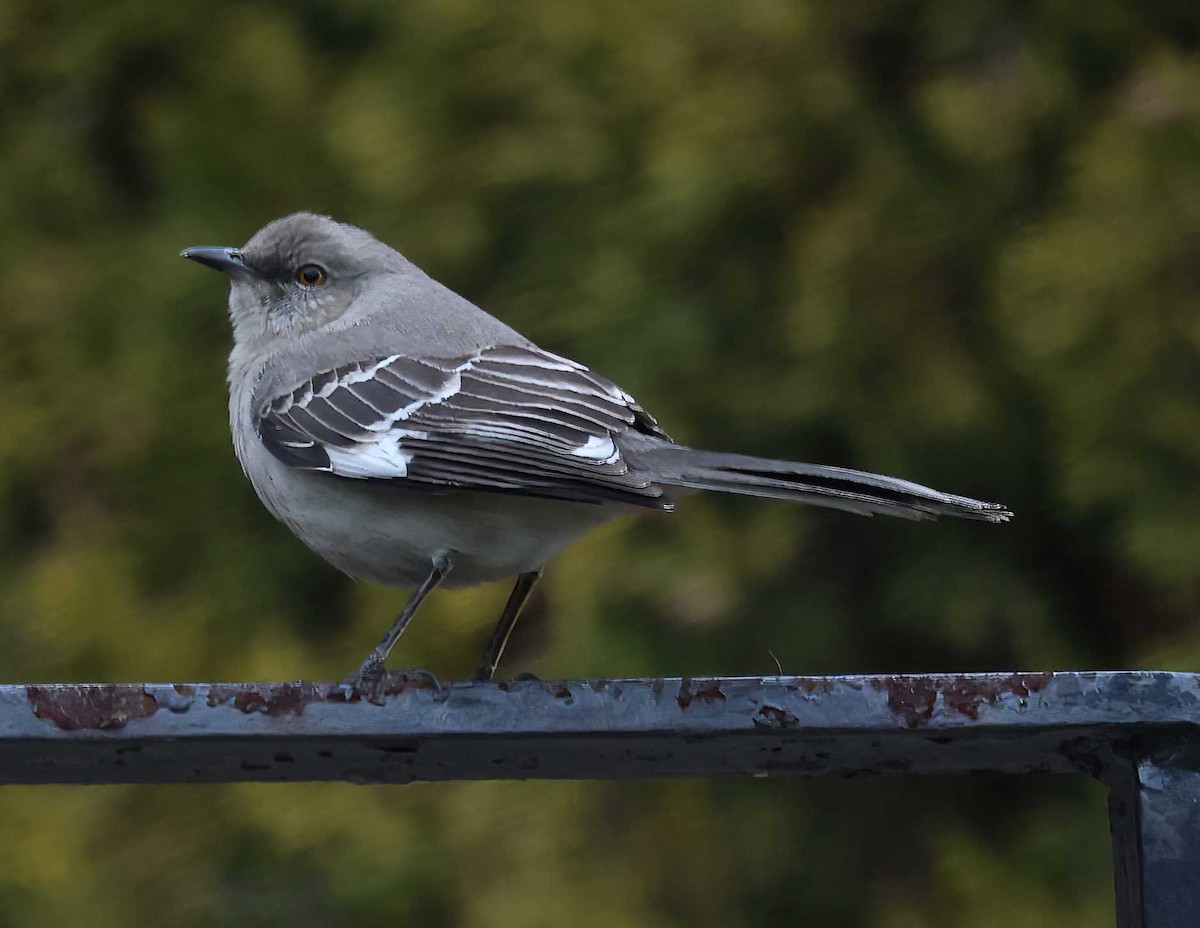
point(369, 677)
point(504, 628)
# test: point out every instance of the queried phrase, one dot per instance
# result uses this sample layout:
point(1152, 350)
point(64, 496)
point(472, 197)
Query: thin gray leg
point(504, 628)
point(373, 665)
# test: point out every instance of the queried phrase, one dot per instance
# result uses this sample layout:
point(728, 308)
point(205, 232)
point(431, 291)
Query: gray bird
point(410, 438)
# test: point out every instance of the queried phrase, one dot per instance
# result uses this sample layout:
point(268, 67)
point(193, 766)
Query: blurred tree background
point(953, 240)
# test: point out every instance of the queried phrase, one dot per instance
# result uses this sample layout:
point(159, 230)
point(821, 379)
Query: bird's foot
point(374, 684)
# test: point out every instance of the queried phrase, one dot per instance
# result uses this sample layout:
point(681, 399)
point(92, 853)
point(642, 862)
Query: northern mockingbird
point(410, 438)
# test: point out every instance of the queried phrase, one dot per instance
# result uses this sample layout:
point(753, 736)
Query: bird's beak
point(226, 260)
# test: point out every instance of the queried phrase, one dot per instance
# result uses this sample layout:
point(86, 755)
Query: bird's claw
point(375, 684)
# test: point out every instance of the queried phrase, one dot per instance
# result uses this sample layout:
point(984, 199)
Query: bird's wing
point(506, 419)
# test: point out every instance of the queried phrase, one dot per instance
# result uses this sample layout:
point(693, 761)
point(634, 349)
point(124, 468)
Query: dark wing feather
point(509, 419)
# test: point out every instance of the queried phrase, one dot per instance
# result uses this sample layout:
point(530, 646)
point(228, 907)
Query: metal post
point(1154, 810)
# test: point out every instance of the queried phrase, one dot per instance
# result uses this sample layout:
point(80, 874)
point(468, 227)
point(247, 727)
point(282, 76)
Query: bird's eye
point(310, 275)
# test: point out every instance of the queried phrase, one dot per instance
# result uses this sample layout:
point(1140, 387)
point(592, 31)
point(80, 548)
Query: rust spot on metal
point(911, 698)
point(75, 708)
point(966, 695)
point(1022, 684)
point(398, 683)
point(276, 699)
point(273, 700)
point(555, 688)
point(815, 685)
point(184, 689)
point(774, 717)
point(707, 690)
point(520, 681)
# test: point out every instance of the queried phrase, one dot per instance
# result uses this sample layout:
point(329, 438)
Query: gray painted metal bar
point(1139, 732)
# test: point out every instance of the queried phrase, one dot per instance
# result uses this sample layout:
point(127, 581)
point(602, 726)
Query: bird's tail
point(836, 487)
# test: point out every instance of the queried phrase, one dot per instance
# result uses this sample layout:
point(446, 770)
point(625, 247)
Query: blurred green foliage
point(953, 240)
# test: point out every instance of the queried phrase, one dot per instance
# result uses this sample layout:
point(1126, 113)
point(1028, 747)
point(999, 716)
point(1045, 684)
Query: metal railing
point(1137, 732)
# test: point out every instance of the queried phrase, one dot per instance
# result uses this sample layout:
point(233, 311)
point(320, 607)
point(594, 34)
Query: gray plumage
point(394, 426)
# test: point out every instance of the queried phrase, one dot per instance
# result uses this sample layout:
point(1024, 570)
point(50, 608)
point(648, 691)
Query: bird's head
point(297, 274)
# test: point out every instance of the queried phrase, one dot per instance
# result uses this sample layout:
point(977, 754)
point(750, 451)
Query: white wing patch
point(597, 448)
point(384, 458)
